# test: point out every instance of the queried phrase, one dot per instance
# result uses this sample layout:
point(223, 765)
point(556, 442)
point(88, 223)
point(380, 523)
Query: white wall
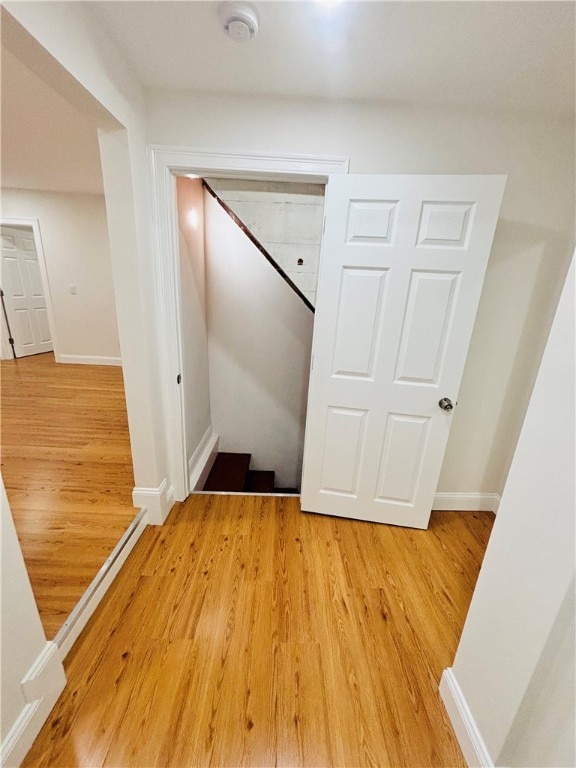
point(22, 644)
point(74, 235)
point(543, 731)
point(259, 341)
point(195, 378)
point(533, 241)
point(518, 640)
point(286, 218)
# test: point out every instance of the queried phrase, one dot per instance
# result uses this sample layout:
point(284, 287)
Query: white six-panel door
point(402, 265)
point(24, 292)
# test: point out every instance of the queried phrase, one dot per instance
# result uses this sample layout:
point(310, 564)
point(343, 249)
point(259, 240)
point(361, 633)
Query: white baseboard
point(156, 501)
point(41, 687)
point(467, 502)
point(201, 461)
point(75, 623)
point(88, 359)
point(465, 728)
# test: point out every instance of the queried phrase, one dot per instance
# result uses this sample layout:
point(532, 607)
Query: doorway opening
point(66, 453)
point(419, 247)
point(247, 325)
point(168, 165)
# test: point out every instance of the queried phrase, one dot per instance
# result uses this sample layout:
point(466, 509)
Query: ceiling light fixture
point(239, 21)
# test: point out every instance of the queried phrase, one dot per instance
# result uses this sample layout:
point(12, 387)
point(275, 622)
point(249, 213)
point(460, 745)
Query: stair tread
point(228, 472)
point(260, 481)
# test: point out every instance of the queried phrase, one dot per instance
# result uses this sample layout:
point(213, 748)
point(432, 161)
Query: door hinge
point(178, 378)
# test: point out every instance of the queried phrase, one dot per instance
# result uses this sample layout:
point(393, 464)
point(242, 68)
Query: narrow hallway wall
point(195, 378)
point(518, 639)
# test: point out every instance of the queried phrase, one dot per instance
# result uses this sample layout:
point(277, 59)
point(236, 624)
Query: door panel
point(402, 264)
point(344, 441)
point(402, 454)
point(427, 326)
point(23, 329)
point(358, 321)
point(43, 325)
point(34, 278)
point(24, 292)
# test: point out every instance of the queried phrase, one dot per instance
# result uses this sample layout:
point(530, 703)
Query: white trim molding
point(41, 687)
point(165, 164)
point(157, 502)
point(88, 360)
point(201, 461)
point(467, 502)
point(467, 734)
point(278, 167)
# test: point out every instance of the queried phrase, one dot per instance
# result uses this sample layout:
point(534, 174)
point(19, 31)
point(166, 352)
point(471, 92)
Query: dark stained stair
point(228, 473)
point(231, 473)
point(259, 481)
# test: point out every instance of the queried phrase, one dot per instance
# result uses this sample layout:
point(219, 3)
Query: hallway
point(244, 632)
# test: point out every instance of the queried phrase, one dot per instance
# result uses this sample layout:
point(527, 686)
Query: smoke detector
point(239, 21)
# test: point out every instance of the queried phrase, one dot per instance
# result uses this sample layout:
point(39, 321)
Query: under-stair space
point(231, 473)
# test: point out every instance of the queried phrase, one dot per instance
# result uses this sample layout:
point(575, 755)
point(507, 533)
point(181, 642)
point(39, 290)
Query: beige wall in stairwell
point(259, 341)
point(195, 376)
point(287, 220)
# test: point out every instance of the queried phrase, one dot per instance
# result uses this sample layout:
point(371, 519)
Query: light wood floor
point(245, 633)
point(67, 468)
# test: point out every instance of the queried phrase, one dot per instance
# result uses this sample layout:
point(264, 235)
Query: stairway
point(231, 473)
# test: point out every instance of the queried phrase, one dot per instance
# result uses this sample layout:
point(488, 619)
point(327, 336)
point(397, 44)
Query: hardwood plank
point(67, 468)
point(245, 633)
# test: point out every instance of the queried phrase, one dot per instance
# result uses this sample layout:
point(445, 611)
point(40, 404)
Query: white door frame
point(34, 224)
point(166, 163)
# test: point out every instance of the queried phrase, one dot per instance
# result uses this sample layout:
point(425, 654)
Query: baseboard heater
point(87, 604)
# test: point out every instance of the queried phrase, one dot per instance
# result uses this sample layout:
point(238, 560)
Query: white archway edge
point(166, 162)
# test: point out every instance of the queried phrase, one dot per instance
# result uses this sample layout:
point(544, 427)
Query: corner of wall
point(465, 729)
point(41, 687)
point(156, 501)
